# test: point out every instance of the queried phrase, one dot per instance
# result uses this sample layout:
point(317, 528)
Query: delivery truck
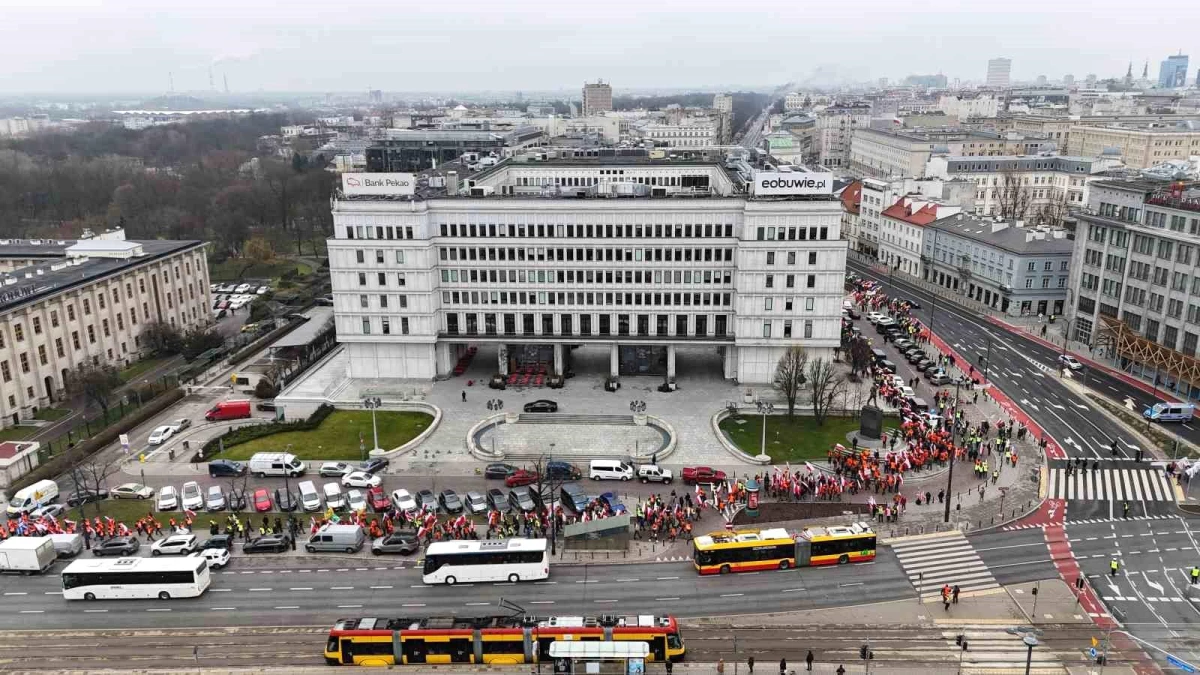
point(228, 410)
point(27, 555)
point(27, 499)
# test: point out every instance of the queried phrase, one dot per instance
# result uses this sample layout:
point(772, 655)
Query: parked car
point(168, 498)
point(912, 302)
point(361, 479)
point(262, 500)
point(522, 499)
point(266, 406)
point(521, 477)
point(334, 469)
point(937, 377)
point(403, 543)
point(132, 491)
point(914, 355)
point(499, 470)
point(887, 366)
point(224, 541)
point(703, 475)
point(86, 496)
point(237, 500)
point(285, 500)
point(378, 499)
point(215, 557)
point(176, 544)
point(48, 511)
point(225, 467)
point(1068, 361)
point(403, 500)
point(426, 500)
point(193, 498)
point(541, 406)
point(497, 499)
point(216, 499)
point(268, 543)
point(117, 546)
point(374, 465)
point(450, 501)
point(925, 364)
point(476, 503)
point(160, 435)
point(181, 423)
point(562, 471)
point(355, 501)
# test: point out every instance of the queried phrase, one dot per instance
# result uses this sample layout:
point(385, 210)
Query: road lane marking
point(664, 599)
point(266, 572)
point(589, 581)
point(159, 610)
point(343, 569)
point(360, 569)
point(252, 590)
point(380, 587)
point(288, 607)
point(627, 581)
point(667, 578)
point(605, 601)
point(341, 588)
point(221, 609)
point(732, 595)
point(300, 588)
point(94, 611)
point(219, 590)
point(856, 583)
point(413, 604)
point(16, 594)
point(792, 590)
point(33, 611)
point(348, 606)
point(544, 583)
point(478, 604)
point(54, 592)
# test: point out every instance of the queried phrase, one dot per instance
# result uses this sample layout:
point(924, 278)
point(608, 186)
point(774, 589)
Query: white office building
point(622, 253)
point(998, 73)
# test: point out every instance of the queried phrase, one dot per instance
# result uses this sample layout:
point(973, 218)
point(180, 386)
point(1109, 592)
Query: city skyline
point(269, 47)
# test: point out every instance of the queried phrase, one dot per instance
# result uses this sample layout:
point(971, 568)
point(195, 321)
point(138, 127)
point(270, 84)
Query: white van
point(310, 499)
point(609, 469)
point(333, 496)
point(27, 499)
point(276, 464)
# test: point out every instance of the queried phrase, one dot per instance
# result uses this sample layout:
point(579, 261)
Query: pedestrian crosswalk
point(931, 561)
point(1134, 484)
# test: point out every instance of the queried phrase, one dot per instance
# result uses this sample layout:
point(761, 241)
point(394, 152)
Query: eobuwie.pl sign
point(779, 184)
point(378, 183)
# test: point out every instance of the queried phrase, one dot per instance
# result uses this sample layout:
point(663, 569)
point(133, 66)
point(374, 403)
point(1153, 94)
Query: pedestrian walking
point(782, 666)
point(841, 670)
point(721, 666)
point(1195, 574)
point(955, 592)
point(464, 395)
point(1113, 567)
point(292, 541)
point(1125, 508)
point(750, 663)
point(808, 660)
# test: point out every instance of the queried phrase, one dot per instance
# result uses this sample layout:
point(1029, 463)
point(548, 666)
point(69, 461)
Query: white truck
point(276, 464)
point(27, 499)
point(27, 555)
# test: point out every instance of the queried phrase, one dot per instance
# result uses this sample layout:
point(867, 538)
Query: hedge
point(80, 452)
point(252, 431)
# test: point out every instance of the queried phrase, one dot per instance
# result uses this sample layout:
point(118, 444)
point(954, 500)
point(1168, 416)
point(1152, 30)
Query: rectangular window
point(18, 332)
point(811, 282)
point(404, 325)
point(767, 329)
point(387, 326)
point(379, 256)
point(366, 326)
point(808, 328)
point(24, 362)
point(37, 326)
point(58, 347)
point(360, 256)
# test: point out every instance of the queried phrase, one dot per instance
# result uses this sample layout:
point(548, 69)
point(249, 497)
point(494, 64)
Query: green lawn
point(236, 269)
point(337, 437)
point(52, 414)
point(141, 367)
point(17, 433)
point(793, 440)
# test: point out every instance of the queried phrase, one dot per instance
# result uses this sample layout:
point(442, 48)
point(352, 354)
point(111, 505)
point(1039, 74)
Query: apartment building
point(88, 304)
point(1005, 264)
point(1140, 145)
point(891, 153)
point(835, 128)
point(689, 132)
point(597, 98)
point(902, 231)
point(851, 198)
point(1024, 187)
point(628, 254)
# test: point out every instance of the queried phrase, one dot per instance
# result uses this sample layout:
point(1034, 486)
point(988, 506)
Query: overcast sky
point(94, 46)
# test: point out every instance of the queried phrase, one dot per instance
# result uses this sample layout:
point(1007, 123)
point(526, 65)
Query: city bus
point(470, 561)
point(136, 578)
point(500, 640)
point(766, 549)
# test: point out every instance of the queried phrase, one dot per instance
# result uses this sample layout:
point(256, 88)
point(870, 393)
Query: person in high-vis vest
point(1113, 567)
point(1195, 574)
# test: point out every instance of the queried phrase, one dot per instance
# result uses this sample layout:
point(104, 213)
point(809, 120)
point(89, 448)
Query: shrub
point(265, 389)
point(249, 433)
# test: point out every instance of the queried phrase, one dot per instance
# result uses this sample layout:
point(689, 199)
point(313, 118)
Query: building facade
point(889, 153)
point(689, 132)
point(835, 127)
point(1172, 72)
point(597, 98)
point(723, 103)
point(616, 252)
point(408, 150)
point(998, 73)
point(1003, 264)
point(1140, 145)
point(1137, 250)
point(1040, 188)
point(88, 303)
point(902, 232)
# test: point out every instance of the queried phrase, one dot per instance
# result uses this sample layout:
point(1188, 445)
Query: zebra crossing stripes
point(1111, 484)
point(931, 562)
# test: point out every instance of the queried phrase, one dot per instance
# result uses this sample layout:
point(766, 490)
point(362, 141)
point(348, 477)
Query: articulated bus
point(776, 548)
point(503, 640)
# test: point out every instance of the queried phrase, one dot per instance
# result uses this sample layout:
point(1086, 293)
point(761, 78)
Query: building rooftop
point(851, 197)
point(30, 284)
point(1012, 236)
point(913, 211)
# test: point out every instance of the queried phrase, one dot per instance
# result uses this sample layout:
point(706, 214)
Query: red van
point(228, 410)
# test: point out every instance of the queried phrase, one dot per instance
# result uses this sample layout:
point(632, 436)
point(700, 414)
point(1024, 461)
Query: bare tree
point(860, 356)
point(96, 382)
point(1014, 196)
point(789, 375)
point(92, 477)
point(1052, 213)
point(826, 385)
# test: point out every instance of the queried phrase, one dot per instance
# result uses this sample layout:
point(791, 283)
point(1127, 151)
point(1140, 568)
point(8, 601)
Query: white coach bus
point(470, 561)
point(136, 578)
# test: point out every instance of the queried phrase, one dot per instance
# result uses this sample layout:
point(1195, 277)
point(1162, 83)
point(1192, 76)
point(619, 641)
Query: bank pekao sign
point(378, 183)
point(779, 184)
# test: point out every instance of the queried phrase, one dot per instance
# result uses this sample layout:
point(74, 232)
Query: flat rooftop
point(35, 282)
point(1009, 237)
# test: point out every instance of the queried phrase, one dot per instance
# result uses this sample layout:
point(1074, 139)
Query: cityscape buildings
point(1173, 71)
point(597, 98)
point(998, 71)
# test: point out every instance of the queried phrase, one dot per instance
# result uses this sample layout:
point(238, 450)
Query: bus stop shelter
point(599, 658)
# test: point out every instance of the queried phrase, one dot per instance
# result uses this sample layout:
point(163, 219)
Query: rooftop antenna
point(226, 79)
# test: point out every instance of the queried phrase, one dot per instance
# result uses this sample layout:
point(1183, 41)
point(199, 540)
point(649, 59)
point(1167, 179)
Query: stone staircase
point(560, 418)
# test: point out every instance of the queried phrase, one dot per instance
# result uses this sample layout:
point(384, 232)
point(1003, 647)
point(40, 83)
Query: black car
point(425, 498)
point(224, 541)
point(118, 546)
point(374, 465)
point(86, 496)
point(912, 302)
point(541, 406)
point(498, 470)
point(404, 543)
point(914, 355)
point(268, 543)
point(562, 471)
point(285, 500)
point(498, 500)
point(237, 501)
point(522, 499)
point(573, 497)
point(450, 501)
point(225, 467)
point(925, 364)
point(887, 366)
point(266, 406)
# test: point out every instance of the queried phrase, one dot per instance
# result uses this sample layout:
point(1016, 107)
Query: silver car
point(216, 499)
point(475, 502)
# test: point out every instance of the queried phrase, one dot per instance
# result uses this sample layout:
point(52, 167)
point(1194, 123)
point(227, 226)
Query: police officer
point(1195, 574)
point(1113, 567)
point(1125, 508)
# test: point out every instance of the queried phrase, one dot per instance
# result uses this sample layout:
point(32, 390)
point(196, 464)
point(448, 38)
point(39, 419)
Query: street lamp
point(373, 403)
point(765, 408)
point(1030, 642)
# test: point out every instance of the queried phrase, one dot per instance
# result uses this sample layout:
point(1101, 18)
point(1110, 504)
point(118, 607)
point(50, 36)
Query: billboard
point(784, 184)
point(378, 183)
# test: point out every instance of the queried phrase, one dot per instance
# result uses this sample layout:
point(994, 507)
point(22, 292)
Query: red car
point(262, 500)
point(702, 474)
point(521, 477)
point(378, 499)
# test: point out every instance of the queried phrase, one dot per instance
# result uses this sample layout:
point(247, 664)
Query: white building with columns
point(632, 254)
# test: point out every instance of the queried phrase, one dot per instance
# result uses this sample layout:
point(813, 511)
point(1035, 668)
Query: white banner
point(777, 184)
point(378, 183)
